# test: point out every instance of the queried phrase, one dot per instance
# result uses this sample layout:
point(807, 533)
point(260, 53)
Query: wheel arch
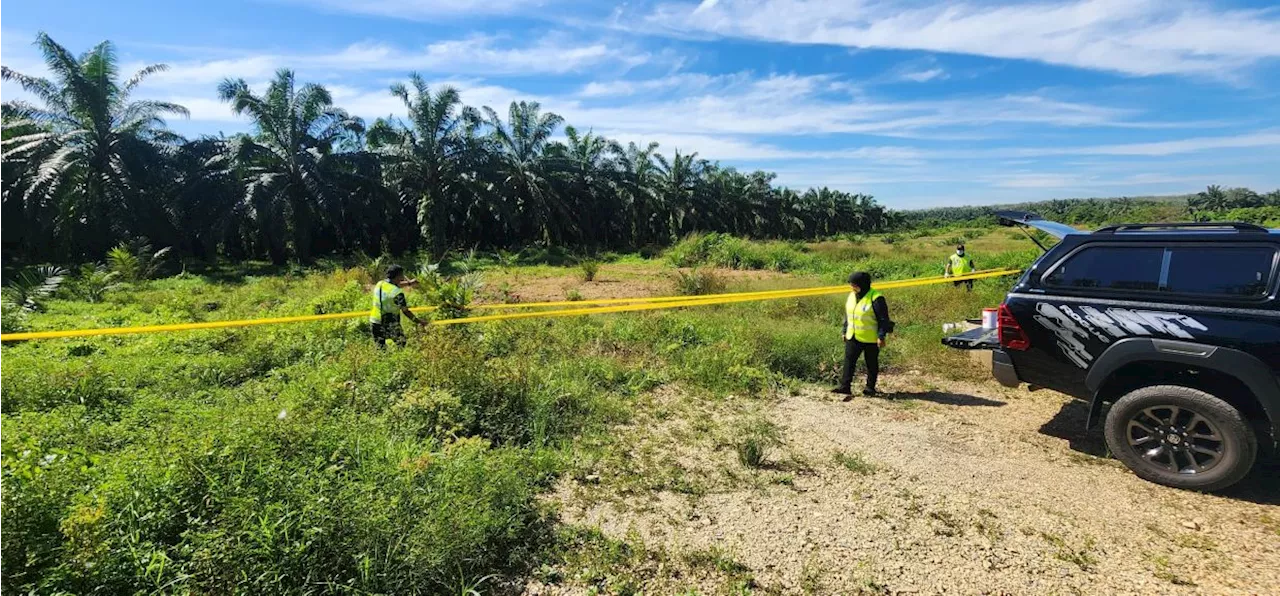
point(1244, 380)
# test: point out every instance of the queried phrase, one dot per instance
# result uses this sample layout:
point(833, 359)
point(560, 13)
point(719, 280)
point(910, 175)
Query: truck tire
point(1181, 437)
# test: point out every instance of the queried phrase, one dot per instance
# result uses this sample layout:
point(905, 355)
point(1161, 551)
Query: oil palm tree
point(522, 170)
point(588, 181)
point(287, 161)
point(79, 147)
point(426, 156)
point(636, 191)
point(677, 179)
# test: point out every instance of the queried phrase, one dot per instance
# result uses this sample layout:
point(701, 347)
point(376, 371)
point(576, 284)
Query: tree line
point(86, 166)
point(1213, 204)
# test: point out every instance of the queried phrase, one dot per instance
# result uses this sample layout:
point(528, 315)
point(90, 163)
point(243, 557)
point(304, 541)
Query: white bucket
point(989, 318)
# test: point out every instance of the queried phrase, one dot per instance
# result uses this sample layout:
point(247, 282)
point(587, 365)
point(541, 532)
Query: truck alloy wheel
point(1181, 437)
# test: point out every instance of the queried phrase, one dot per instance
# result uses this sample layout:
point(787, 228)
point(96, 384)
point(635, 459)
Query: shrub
point(573, 295)
point(452, 297)
point(135, 261)
point(507, 294)
point(588, 268)
point(93, 282)
point(698, 282)
point(890, 238)
point(506, 259)
point(13, 318)
point(430, 414)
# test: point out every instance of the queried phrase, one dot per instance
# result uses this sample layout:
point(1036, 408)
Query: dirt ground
point(620, 281)
point(974, 489)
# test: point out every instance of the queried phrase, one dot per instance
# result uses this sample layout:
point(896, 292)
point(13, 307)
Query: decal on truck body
point(1072, 329)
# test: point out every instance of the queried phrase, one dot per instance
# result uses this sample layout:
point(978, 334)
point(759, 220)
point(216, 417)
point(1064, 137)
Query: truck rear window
point(1243, 271)
point(1111, 267)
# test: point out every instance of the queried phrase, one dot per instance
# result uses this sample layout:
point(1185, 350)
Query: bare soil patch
point(974, 489)
point(615, 281)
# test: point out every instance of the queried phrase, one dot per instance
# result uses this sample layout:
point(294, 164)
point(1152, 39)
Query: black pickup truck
point(1175, 327)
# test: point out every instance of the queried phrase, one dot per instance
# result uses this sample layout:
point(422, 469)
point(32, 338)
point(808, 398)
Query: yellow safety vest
point(384, 300)
point(959, 264)
point(861, 318)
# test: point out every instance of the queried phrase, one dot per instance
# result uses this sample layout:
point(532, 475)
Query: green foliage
point(84, 152)
point(28, 289)
point(573, 295)
point(135, 261)
point(589, 267)
point(13, 318)
point(801, 350)
point(756, 441)
point(453, 297)
point(93, 282)
point(507, 294)
point(723, 250)
point(855, 462)
point(507, 259)
point(698, 282)
point(1214, 203)
point(87, 167)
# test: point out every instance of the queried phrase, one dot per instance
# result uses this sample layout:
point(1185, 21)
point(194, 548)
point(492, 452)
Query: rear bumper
point(1002, 369)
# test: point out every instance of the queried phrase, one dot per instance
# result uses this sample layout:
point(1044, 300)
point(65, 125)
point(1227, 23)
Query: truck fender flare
point(1251, 371)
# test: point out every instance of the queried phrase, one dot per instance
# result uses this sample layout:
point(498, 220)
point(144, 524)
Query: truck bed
point(974, 339)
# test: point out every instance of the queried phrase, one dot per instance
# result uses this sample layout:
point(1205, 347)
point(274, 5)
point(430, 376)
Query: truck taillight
point(1012, 337)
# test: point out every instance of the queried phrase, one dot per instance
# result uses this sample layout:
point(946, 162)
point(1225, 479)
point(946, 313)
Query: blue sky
point(918, 102)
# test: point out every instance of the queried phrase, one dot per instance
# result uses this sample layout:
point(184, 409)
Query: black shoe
point(870, 392)
point(842, 391)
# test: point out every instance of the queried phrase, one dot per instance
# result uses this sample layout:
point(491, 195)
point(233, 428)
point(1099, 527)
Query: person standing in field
point(960, 264)
point(866, 325)
point(389, 303)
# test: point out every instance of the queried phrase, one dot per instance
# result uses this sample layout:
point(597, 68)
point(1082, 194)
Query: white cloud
point(921, 76)
point(683, 82)
point(1136, 37)
point(1093, 180)
point(1163, 148)
point(795, 105)
point(476, 56)
point(425, 9)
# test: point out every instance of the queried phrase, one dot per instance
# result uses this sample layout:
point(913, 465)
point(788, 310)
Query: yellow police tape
point(721, 299)
point(580, 307)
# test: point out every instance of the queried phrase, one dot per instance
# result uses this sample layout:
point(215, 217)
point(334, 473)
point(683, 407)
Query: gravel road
point(973, 490)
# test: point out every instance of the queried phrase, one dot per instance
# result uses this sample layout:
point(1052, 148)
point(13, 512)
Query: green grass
point(1081, 556)
point(756, 441)
point(855, 462)
point(261, 459)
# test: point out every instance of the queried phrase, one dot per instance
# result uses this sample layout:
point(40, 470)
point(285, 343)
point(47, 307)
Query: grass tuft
point(855, 462)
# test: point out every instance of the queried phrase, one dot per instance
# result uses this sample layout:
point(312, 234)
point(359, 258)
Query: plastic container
point(989, 317)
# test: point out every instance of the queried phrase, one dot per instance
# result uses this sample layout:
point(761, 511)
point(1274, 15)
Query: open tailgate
point(974, 339)
point(1023, 218)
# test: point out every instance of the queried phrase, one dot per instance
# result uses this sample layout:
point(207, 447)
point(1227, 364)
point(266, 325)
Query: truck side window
point(1130, 268)
point(1239, 271)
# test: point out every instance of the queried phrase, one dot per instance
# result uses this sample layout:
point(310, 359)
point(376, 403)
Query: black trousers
point(388, 329)
point(852, 350)
point(967, 282)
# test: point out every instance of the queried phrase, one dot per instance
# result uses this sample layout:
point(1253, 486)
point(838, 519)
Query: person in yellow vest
point(389, 303)
point(866, 325)
point(959, 264)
